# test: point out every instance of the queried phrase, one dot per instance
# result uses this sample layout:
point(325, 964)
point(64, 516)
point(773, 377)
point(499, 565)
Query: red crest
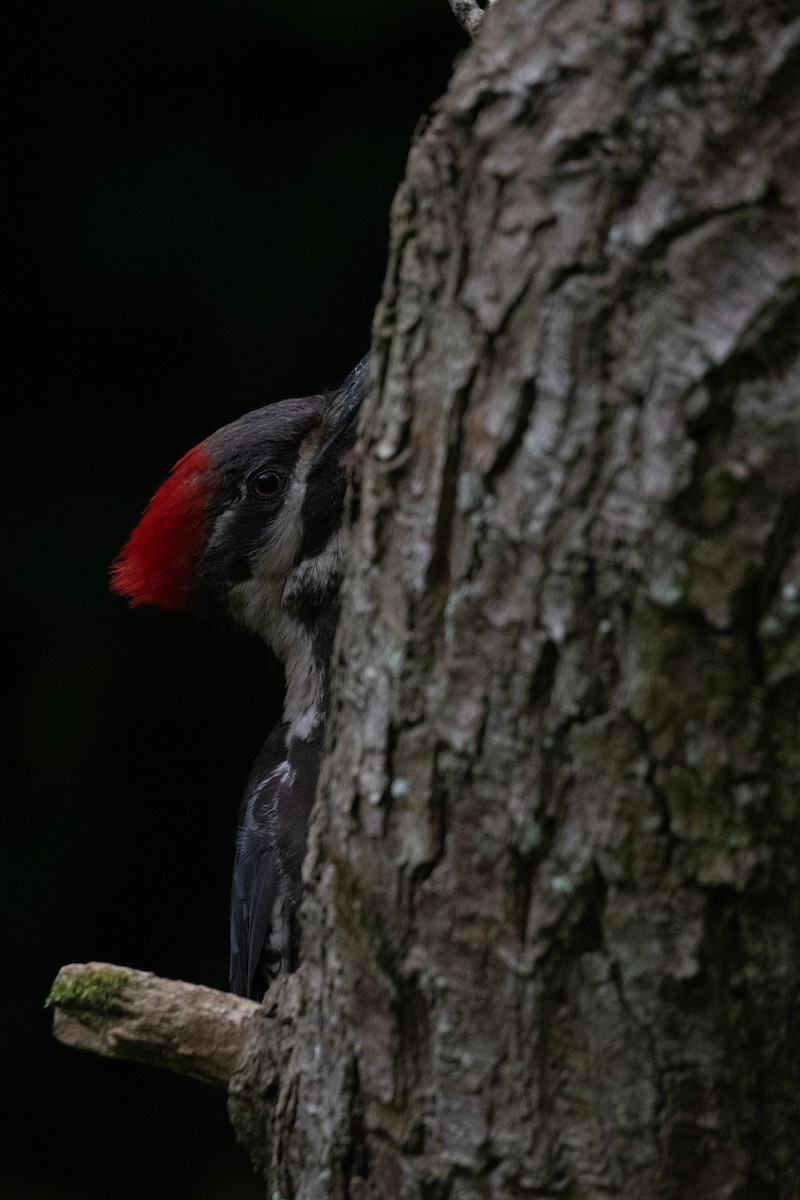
point(154, 566)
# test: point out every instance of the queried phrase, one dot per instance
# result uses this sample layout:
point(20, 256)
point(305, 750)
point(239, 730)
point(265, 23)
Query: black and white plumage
point(249, 525)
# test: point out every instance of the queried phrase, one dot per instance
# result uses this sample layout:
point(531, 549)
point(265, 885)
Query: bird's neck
point(304, 649)
point(299, 626)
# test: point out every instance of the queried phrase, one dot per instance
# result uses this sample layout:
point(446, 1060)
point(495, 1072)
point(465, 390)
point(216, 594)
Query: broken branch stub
point(122, 1013)
point(470, 13)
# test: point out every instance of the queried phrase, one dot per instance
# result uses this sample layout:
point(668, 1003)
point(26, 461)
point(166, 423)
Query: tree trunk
point(552, 938)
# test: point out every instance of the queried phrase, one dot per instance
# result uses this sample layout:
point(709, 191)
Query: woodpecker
point(248, 526)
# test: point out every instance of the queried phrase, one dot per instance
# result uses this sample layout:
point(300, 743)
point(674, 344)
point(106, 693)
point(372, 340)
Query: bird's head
point(247, 522)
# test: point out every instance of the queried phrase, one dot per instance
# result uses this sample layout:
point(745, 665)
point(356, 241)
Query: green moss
point(531, 838)
point(93, 991)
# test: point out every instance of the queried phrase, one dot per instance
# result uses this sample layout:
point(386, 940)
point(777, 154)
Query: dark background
point(199, 212)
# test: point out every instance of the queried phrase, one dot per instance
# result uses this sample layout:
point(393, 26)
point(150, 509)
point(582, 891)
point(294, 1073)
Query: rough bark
point(470, 13)
point(552, 940)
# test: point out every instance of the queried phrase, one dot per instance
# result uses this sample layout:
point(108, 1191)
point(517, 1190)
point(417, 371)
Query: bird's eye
point(266, 485)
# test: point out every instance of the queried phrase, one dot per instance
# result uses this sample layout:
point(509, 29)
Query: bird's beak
point(348, 402)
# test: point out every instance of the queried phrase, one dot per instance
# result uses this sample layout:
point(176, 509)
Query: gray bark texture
point(552, 934)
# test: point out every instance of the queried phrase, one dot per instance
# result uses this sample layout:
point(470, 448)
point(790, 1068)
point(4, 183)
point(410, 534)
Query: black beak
point(325, 485)
point(348, 400)
point(352, 393)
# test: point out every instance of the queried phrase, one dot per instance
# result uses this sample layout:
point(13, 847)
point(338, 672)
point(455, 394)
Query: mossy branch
point(121, 1013)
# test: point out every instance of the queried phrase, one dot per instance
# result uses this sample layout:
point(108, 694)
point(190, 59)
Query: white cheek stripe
point(258, 603)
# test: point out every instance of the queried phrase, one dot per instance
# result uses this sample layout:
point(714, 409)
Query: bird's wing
point(254, 895)
point(262, 931)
